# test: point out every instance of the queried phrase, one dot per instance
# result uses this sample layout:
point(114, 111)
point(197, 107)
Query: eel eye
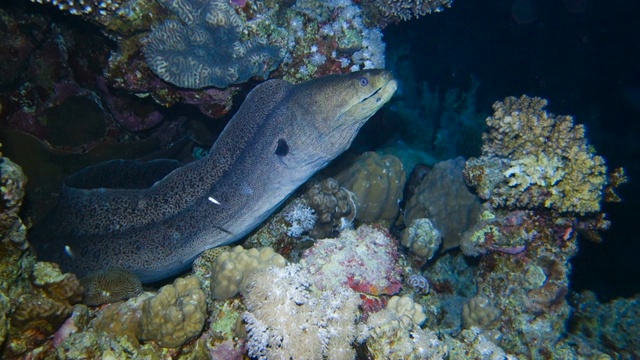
point(283, 148)
point(364, 81)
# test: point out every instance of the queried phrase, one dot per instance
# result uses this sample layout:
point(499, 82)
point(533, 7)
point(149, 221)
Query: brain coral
point(206, 47)
point(532, 159)
point(377, 181)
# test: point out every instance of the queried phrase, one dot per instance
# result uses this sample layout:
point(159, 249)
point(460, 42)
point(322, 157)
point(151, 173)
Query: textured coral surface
point(531, 158)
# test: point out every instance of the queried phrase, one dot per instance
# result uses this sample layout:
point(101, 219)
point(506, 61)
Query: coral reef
point(534, 159)
point(160, 325)
point(285, 319)
point(300, 217)
point(206, 47)
point(175, 315)
point(444, 198)
point(196, 44)
point(404, 306)
point(610, 328)
point(35, 297)
point(365, 259)
point(334, 205)
point(392, 335)
point(393, 11)
point(543, 185)
point(377, 182)
point(110, 285)
point(345, 43)
point(479, 312)
point(230, 269)
point(422, 238)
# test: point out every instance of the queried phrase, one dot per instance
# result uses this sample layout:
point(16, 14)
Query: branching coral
point(534, 159)
point(206, 47)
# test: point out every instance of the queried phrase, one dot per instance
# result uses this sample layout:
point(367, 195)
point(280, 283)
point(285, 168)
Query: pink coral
point(365, 260)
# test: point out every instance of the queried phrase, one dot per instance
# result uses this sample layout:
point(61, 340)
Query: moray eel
point(155, 218)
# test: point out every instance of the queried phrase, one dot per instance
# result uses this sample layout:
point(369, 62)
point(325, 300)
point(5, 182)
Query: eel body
point(155, 218)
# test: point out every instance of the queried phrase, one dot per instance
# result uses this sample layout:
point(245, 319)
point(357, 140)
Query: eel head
point(333, 108)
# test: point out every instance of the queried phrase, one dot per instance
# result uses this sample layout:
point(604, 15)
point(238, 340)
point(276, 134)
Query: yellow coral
point(175, 315)
point(544, 159)
point(231, 268)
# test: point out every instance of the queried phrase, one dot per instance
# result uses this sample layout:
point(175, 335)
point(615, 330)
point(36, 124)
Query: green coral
point(534, 159)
